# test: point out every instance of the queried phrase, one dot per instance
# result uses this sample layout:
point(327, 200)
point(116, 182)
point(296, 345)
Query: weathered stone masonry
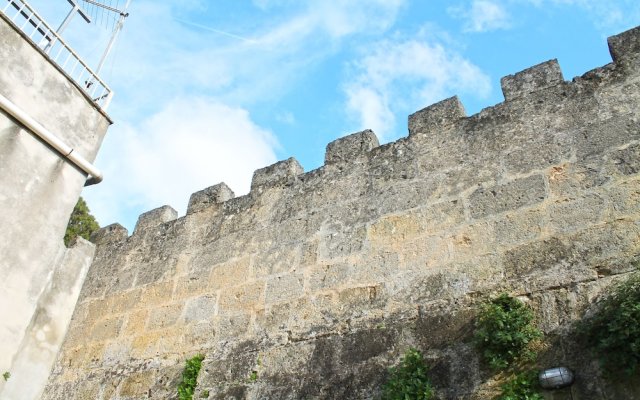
point(319, 281)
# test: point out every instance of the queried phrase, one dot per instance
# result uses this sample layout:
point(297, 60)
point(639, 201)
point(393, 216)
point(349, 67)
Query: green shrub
point(504, 331)
point(6, 375)
point(190, 377)
point(409, 379)
point(521, 386)
point(613, 332)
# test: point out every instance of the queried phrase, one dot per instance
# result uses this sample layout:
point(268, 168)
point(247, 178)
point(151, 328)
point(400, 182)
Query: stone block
point(518, 227)
point(199, 334)
point(376, 266)
point(231, 327)
point(113, 233)
point(341, 243)
point(508, 196)
point(122, 302)
point(200, 309)
point(441, 216)
point(625, 48)
point(107, 328)
point(357, 298)
point(164, 316)
point(136, 322)
point(191, 286)
point(241, 299)
point(158, 293)
point(437, 117)
point(155, 217)
point(532, 79)
point(471, 240)
point(394, 230)
point(570, 215)
point(284, 288)
point(137, 384)
point(278, 173)
point(436, 329)
point(327, 276)
point(206, 198)
point(276, 261)
point(567, 179)
point(540, 150)
point(598, 137)
point(614, 239)
point(351, 147)
point(288, 360)
point(627, 160)
point(537, 257)
point(624, 198)
point(231, 273)
point(363, 345)
point(116, 352)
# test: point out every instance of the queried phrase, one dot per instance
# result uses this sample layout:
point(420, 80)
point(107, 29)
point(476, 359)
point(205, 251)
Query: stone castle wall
point(314, 283)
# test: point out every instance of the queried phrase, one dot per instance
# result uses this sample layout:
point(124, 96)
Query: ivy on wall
point(187, 386)
point(409, 379)
point(613, 331)
point(505, 331)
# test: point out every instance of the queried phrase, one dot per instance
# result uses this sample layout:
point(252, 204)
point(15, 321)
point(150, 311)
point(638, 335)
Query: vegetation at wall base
point(521, 386)
point(613, 332)
point(187, 387)
point(505, 331)
point(408, 380)
point(6, 375)
point(81, 223)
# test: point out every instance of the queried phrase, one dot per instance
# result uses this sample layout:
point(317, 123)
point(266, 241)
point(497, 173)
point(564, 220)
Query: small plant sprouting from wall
point(408, 380)
point(505, 331)
point(6, 375)
point(187, 387)
point(613, 332)
point(521, 386)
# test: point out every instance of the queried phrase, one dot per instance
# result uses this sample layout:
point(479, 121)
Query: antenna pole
point(76, 9)
point(123, 16)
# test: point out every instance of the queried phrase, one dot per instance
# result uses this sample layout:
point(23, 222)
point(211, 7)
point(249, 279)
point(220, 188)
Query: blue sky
point(209, 91)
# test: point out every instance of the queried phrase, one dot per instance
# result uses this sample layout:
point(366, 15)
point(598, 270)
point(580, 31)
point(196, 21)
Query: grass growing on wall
point(187, 387)
point(408, 380)
point(521, 386)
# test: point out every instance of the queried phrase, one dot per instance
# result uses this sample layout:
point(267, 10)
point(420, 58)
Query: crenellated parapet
point(436, 117)
point(446, 115)
point(538, 77)
point(625, 49)
point(314, 275)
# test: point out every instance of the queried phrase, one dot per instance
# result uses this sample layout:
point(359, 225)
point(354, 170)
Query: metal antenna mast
point(123, 14)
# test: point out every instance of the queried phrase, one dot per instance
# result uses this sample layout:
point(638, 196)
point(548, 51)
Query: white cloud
point(187, 146)
point(401, 76)
point(183, 88)
point(482, 16)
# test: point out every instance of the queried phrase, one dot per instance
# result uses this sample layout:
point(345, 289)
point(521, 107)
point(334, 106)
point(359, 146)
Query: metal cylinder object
point(556, 378)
